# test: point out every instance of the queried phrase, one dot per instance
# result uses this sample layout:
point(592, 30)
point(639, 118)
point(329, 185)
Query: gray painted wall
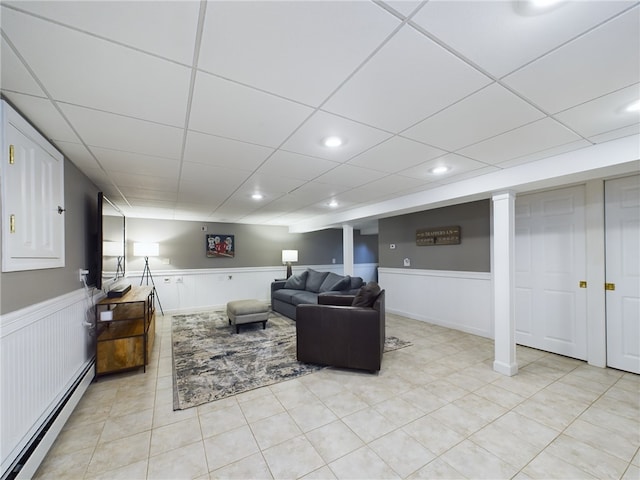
point(182, 244)
point(21, 289)
point(472, 254)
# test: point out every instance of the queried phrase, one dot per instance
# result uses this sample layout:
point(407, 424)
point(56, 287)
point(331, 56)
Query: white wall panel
point(43, 350)
point(460, 300)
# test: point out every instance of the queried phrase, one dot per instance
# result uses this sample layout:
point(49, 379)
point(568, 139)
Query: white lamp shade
point(148, 249)
point(289, 256)
point(113, 249)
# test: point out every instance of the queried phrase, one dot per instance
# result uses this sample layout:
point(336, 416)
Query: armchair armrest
point(277, 285)
point(335, 299)
point(350, 337)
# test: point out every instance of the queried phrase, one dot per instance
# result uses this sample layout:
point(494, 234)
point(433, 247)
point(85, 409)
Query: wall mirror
point(112, 242)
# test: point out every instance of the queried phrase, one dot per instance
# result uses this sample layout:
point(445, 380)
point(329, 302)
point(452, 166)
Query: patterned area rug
point(211, 361)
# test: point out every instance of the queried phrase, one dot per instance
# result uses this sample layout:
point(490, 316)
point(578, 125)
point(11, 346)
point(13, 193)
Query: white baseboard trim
point(441, 323)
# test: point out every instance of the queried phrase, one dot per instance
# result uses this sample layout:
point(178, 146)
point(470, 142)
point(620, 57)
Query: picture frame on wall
point(220, 245)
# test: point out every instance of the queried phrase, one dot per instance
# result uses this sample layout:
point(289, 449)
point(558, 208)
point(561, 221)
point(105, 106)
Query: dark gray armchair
point(336, 334)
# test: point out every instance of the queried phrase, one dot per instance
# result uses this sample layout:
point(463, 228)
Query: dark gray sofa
point(305, 287)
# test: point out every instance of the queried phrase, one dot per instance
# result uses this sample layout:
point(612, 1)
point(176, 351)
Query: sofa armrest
point(277, 285)
point(335, 299)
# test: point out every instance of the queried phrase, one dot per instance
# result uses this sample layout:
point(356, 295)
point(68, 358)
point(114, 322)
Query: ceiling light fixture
point(257, 196)
point(634, 107)
point(333, 204)
point(439, 170)
point(332, 142)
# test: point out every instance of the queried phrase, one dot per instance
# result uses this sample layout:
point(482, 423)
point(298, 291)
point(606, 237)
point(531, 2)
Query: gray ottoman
point(242, 312)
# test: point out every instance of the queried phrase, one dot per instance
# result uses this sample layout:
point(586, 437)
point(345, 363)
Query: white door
point(622, 237)
point(550, 261)
point(32, 194)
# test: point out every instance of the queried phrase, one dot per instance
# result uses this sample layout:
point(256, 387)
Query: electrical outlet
point(333, 260)
point(82, 273)
point(407, 262)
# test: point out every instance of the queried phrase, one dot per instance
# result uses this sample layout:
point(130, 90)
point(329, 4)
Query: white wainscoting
point(460, 300)
point(203, 289)
point(45, 349)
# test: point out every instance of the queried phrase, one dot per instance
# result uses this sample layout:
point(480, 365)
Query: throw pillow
point(314, 280)
point(342, 284)
point(334, 282)
point(356, 282)
point(297, 282)
point(367, 295)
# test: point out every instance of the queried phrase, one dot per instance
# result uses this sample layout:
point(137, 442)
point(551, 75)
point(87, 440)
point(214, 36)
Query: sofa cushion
point(314, 280)
point(285, 295)
point(367, 295)
point(302, 296)
point(334, 282)
point(297, 282)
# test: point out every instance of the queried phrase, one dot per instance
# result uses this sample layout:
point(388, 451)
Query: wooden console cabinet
point(126, 330)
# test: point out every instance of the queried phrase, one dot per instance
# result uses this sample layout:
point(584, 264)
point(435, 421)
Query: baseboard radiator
point(47, 363)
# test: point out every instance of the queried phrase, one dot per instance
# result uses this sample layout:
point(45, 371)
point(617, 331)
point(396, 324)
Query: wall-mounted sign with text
point(438, 236)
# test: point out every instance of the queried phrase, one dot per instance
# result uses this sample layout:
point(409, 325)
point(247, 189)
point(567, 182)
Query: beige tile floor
point(436, 410)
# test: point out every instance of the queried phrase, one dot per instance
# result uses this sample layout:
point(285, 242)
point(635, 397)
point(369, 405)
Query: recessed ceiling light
point(257, 196)
point(332, 142)
point(536, 7)
point(333, 204)
point(439, 170)
point(634, 107)
point(543, 3)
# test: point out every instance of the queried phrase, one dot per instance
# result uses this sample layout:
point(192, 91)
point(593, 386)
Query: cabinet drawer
point(120, 354)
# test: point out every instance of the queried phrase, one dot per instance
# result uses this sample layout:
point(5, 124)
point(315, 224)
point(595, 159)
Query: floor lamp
point(147, 250)
point(120, 267)
point(115, 249)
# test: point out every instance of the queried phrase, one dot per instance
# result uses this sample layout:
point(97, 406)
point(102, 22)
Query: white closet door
point(622, 227)
point(550, 251)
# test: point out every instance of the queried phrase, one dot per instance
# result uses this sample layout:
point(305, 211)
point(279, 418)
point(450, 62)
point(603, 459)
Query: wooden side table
point(125, 331)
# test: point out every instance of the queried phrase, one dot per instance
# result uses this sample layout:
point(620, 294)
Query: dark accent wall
point(182, 245)
point(21, 289)
point(472, 254)
point(365, 248)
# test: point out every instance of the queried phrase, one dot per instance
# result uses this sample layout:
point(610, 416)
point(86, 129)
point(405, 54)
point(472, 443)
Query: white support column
point(503, 268)
point(347, 249)
point(596, 306)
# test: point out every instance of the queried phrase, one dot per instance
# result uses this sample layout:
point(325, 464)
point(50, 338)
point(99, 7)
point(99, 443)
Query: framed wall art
point(220, 245)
